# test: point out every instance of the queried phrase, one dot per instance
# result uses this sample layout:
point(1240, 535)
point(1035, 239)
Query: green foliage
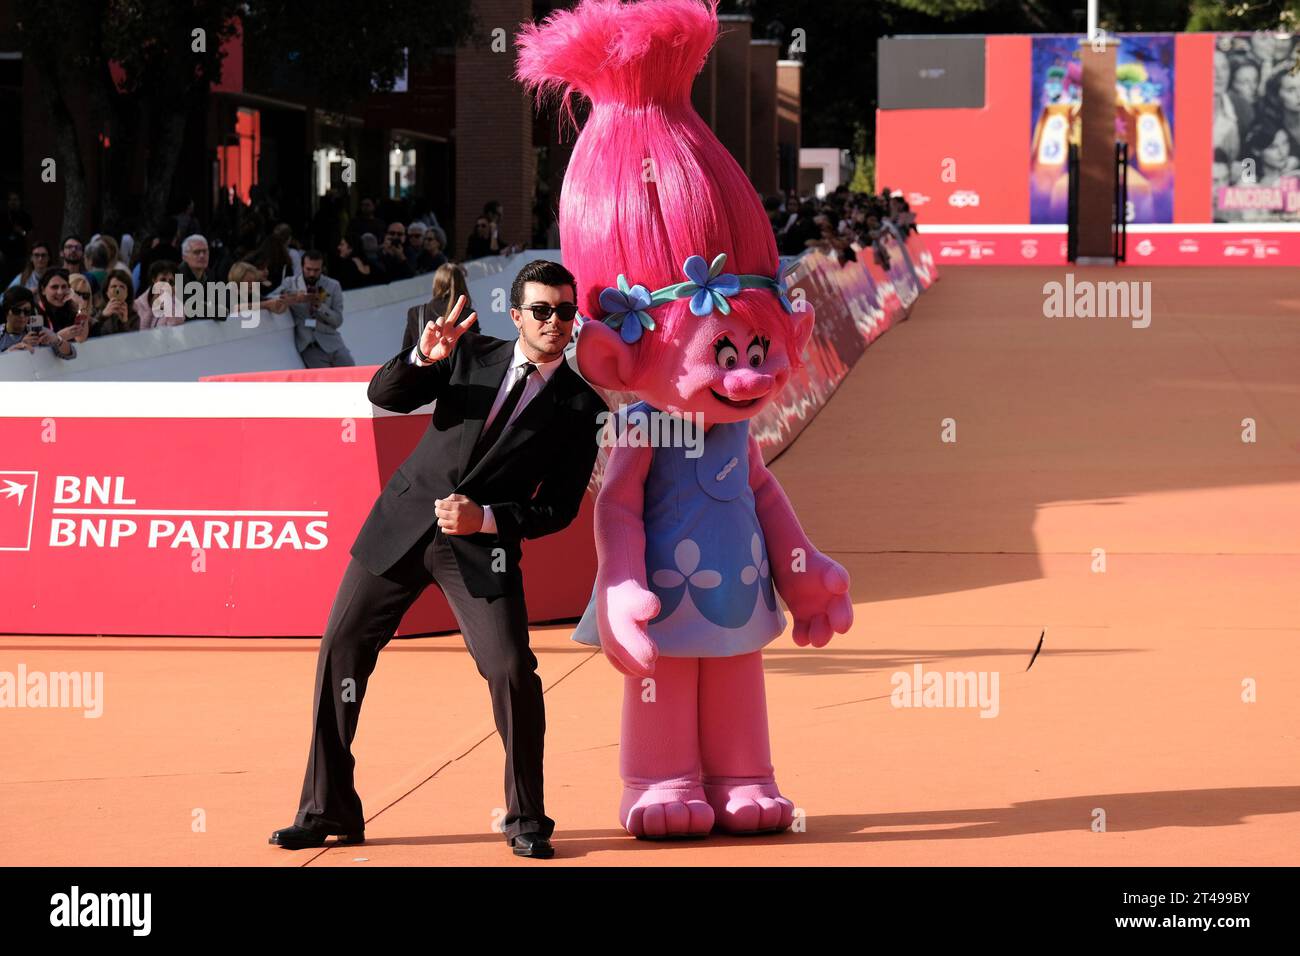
point(947, 10)
point(1231, 17)
point(864, 174)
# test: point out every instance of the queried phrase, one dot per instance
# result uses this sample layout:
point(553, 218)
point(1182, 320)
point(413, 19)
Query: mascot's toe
point(665, 813)
point(749, 807)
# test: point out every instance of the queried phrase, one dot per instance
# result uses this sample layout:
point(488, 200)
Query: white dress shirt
point(536, 382)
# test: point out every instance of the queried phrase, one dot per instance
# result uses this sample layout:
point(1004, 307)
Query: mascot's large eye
point(756, 354)
point(725, 353)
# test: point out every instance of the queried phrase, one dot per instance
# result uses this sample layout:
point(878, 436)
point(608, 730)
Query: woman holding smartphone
point(64, 311)
point(117, 314)
point(24, 330)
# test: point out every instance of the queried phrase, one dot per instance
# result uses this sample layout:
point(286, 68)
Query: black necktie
point(498, 424)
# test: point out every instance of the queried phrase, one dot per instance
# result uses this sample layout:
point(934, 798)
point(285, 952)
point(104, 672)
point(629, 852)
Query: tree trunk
point(69, 169)
point(166, 136)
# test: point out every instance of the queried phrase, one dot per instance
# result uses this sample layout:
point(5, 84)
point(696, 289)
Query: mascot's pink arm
point(816, 591)
point(623, 601)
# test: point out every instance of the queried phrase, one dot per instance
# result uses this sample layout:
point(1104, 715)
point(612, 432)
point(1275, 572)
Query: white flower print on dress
point(687, 558)
point(760, 567)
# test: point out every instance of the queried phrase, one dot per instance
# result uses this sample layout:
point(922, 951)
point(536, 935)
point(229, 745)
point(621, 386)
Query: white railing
point(373, 322)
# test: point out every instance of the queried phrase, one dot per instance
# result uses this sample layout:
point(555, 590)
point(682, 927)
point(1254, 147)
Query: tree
point(134, 68)
point(342, 50)
point(1220, 17)
point(137, 69)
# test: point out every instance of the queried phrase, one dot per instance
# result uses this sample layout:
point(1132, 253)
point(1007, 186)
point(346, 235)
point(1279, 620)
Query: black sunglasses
point(565, 311)
point(22, 310)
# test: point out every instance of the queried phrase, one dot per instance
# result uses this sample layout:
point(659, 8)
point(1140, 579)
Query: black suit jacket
point(534, 478)
point(428, 312)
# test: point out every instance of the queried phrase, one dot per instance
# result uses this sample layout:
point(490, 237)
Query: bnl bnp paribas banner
point(1256, 128)
point(1144, 119)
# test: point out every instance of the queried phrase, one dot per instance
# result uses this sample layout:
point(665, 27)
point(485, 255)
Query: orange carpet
point(1158, 724)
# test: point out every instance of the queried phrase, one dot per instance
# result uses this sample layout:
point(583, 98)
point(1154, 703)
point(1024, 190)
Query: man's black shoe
point(533, 845)
point(302, 838)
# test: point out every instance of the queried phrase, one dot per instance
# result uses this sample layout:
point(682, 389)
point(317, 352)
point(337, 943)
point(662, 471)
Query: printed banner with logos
point(1256, 159)
point(1177, 246)
point(1231, 100)
point(1144, 115)
point(193, 509)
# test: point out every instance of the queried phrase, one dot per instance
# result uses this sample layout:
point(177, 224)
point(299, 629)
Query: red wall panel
point(990, 147)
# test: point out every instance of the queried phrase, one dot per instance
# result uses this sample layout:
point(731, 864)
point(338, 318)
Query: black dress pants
point(363, 618)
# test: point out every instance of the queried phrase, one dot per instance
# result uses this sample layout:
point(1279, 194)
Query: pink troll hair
point(648, 184)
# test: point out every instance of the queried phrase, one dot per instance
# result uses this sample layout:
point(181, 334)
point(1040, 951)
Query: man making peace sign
point(453, 514)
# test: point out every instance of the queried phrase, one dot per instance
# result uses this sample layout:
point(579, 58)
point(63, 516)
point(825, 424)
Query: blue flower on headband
point(710, 284)
point(627, 309)
point(782, 291)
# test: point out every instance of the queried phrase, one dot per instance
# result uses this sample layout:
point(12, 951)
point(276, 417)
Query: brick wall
point(494, 127)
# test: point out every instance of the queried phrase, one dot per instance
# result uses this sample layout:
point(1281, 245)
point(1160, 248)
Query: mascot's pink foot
point(749, 807)
point(667, 812)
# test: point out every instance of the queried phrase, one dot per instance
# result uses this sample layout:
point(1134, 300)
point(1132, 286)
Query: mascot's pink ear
point(604, 359)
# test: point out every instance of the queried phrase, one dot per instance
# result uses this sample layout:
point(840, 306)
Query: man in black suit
point(507, 455)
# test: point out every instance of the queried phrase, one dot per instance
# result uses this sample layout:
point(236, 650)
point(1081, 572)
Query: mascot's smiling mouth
point(734, 403)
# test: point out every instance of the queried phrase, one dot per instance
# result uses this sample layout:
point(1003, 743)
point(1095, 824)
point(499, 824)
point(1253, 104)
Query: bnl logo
point(17, 509)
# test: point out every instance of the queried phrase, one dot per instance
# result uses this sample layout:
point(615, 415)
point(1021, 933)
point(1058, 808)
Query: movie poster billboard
point(1144, 118)
point(1256, 171)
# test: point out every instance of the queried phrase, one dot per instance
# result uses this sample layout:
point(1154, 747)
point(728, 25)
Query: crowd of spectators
point(60, 294)
point(843, 224)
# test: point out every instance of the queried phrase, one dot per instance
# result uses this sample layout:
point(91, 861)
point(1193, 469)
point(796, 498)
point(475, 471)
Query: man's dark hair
point(71, 235)
point(315, 255)
point(547, 273)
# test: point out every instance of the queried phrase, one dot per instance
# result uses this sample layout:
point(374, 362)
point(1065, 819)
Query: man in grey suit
point(316, 303)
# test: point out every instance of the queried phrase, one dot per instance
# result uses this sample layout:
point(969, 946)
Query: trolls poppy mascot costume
point(677, 271)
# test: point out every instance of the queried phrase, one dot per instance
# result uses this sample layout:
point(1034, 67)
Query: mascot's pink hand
point(623, 610)
point(818, 597)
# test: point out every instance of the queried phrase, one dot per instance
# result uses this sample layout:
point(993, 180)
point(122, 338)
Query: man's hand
point(438, 339)
point(457, 514)
point(282, 302)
